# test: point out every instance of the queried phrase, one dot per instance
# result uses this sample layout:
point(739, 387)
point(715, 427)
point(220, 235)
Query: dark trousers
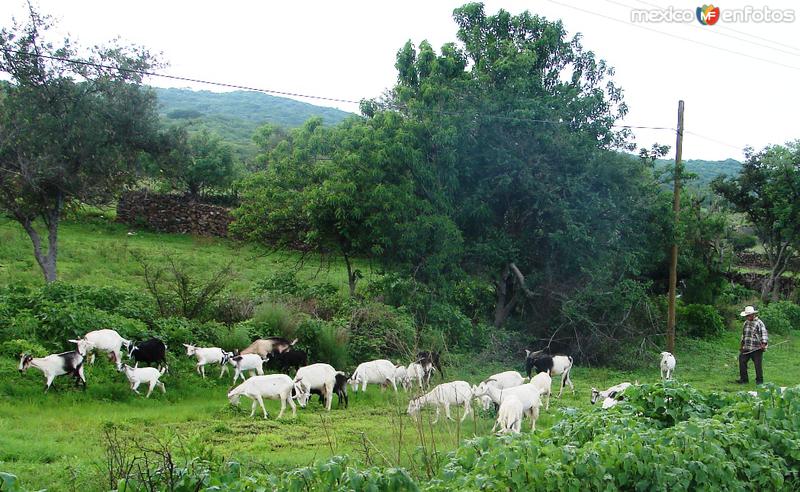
point(756, 356)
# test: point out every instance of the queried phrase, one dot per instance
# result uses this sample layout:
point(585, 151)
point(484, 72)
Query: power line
point(710, 139)
point(727, 28)
point(177, 77)
point(712, 30)
point(674, 35)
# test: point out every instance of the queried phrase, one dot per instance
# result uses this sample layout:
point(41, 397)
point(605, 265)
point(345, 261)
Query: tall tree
point(767, 192)
point(71, 130)
point(522, 122)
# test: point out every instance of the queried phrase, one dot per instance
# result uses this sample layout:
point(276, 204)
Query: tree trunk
point(352, 275)
point(48, 262)
point(506, 297)
point(771, 288)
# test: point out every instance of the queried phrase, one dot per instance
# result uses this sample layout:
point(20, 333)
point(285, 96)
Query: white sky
point(346, 49)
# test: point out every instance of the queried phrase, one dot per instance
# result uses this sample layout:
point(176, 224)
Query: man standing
point(754, 343)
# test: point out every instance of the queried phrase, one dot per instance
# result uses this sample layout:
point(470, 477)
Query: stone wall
point(172, 213)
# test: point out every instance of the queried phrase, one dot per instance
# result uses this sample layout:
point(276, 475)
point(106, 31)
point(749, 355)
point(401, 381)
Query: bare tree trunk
point(506, 297)
point(47, 262)
point(352, 275)
point(779, 261)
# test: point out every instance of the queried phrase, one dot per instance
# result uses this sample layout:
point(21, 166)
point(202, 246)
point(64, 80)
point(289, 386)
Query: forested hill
point(706, 170)
point(234, 116)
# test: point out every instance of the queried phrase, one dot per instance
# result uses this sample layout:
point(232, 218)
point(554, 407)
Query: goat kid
point(509, 417)
point(528, 394)
point(55, 365)
point(271, 387)
point(444, 395)
point(543, 382)
point(208, 355)
point(610, 393)
point(667, 365)
point(149, 375)
point(246, 362)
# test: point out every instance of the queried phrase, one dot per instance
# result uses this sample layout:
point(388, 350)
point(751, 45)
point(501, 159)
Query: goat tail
point(163, 369)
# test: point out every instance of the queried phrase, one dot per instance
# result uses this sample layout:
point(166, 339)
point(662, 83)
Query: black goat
point(150, 351)
point(339, 387)
point(290, 358)
point(431, 359)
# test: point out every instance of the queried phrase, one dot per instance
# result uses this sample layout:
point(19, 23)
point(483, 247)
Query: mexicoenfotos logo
point(708, 15)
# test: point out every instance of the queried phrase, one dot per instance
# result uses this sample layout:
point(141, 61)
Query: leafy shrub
point(12, 348)
point(742, 241)
point(777, 317)
point(234, 337)
point(173, 332)
point(280, 283)
point(271, 319)
point(59, 322)
point(700, 321)
point(325, 341)
point(233, 309)
point(788, 310)
point(733, 293)
point(379, 331)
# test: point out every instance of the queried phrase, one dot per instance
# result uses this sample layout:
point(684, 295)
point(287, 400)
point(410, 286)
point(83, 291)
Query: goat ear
point(73, 341)
point(527, 352)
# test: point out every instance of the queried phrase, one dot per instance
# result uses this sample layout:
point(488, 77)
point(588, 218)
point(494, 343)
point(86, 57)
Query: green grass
point(98, 252)
point(55, 441)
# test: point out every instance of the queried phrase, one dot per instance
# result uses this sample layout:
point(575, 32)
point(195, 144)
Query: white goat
point(509, 417)
point(610, 393)
point(609, 402)
point(379, 371)
point(271, 386)
point(321, 377)
point(419, 374)
point(149, 375)
point(401, 377)
point(445, 395)
point(208, 355)
point(108, 341)
point(667, 365)
point(246, 362)
point(528, 394)
point(55, 365)
point(501, 380)
point(543, 382)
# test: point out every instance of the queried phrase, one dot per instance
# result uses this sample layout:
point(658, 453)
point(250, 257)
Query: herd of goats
point(512, 394)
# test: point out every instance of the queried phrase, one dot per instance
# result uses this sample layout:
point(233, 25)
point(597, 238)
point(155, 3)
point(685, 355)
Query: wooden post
point(676, 208)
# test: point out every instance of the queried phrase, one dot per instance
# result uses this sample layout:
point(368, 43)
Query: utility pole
point(676, 208)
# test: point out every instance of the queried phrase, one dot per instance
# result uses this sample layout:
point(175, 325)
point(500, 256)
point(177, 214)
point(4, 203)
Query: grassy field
point(60, 440)
point(95, 251)
point(56, 441)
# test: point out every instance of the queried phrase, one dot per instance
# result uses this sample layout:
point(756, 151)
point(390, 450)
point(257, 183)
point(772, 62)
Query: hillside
point(706, 171)
point(234, 116)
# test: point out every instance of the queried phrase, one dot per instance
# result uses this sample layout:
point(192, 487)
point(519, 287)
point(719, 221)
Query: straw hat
point(748, 311)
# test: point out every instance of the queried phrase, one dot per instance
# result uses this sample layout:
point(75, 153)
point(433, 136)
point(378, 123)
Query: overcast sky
point(346, 49)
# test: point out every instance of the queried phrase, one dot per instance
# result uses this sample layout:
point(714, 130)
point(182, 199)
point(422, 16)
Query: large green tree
point(767, 192)
point(522, 123)
point(71, 130)
point(357, 190)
